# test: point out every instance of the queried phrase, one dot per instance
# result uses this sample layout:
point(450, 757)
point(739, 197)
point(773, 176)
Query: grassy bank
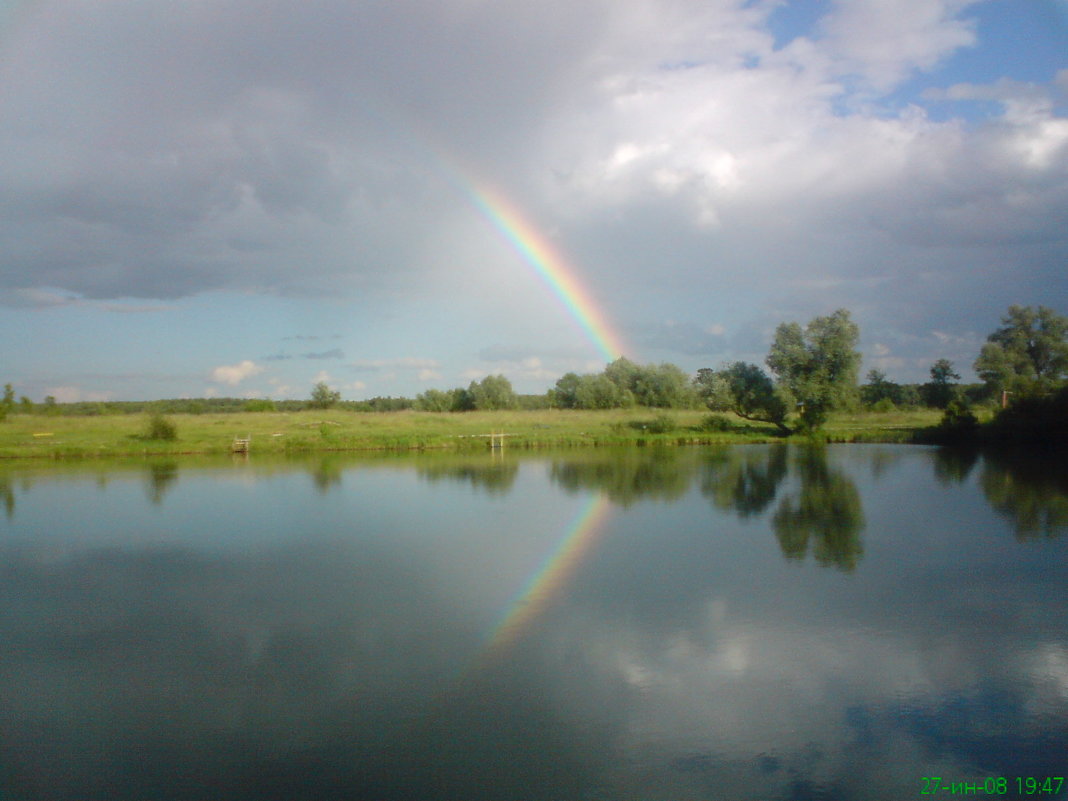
point(310, 431)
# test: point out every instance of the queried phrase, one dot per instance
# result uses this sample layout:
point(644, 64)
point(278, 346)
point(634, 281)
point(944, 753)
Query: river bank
point(102, 436)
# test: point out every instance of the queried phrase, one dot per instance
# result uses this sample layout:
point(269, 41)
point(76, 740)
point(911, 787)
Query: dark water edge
point(756, 622)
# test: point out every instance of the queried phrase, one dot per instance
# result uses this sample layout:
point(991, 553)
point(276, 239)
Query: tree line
point(811, 372)
point(814, 372)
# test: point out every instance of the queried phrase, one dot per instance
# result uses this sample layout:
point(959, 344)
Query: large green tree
point(817, 365)
point(493, 392)
point(753, 396)
point(658, 385)
point(590, 391)
point(1028, 355)
point(712, 387)
point(434, 400)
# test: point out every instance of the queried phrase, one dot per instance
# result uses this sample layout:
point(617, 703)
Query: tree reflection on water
point(627, 476)
point(492, 474)
point(744, 481)
point(160, 477)
point(1031, 492)
point(824, 515)
point(1029, 489)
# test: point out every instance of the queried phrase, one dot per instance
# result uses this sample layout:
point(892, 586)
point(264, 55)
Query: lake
point(746, 622)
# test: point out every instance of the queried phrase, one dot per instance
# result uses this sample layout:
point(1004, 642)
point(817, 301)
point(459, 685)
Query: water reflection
point(258, 640)
point(954, 465)
point(7, 492)
point(326, 473)
point(1031, 492)
point(626, 476)
point(744, 480)
point(160, 477)
point(824, 516)
point(492, 473)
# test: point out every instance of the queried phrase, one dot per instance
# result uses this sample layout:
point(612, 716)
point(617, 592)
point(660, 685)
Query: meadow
point(305, 431)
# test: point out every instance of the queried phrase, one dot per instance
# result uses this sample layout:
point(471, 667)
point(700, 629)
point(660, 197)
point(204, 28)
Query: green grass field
point(310, 431)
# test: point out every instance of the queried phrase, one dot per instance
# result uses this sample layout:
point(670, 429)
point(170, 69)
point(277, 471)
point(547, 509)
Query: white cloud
point(234, 374)
point(884, 42)
point(684, 161)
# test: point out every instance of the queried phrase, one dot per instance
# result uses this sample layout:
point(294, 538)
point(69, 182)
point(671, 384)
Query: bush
point(260, 405)
point(661, 424)
point(716, 422)
point(1034, 420)
point(159, 427)
point(884, 405)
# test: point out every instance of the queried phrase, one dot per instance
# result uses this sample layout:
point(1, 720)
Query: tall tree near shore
point(818, 365)
point(754, 396)
point(1028, 355)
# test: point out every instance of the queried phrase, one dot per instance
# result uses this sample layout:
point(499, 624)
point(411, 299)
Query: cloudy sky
point(242, 197)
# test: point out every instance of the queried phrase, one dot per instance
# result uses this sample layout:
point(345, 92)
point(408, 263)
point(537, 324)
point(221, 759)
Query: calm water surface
point(755, 622)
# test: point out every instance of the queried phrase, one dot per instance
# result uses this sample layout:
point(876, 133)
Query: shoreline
point(334, 431)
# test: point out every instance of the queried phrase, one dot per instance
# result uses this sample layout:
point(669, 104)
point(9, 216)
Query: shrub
point(884, 405)
point(661, 424)
point(159, 427)
point(716, 422)
point(1035, 420)
point(958, 414)
point(958, 422)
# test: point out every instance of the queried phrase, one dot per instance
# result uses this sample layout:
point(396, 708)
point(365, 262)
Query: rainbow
point(555, 572)
point(521, 234)
point(549, 264)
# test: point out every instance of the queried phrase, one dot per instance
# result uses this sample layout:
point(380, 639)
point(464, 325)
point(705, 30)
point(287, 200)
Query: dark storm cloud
point(157, 150)
point(275, 148)
point(683, 338)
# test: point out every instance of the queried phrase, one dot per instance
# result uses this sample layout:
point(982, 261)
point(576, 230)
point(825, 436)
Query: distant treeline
point(229, 405)
point(814, 370)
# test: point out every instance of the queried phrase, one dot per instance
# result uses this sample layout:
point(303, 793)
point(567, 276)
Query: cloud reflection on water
point(686, 658)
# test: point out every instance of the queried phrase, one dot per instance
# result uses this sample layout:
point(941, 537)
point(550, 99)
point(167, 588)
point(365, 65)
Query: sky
point(244, 197)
